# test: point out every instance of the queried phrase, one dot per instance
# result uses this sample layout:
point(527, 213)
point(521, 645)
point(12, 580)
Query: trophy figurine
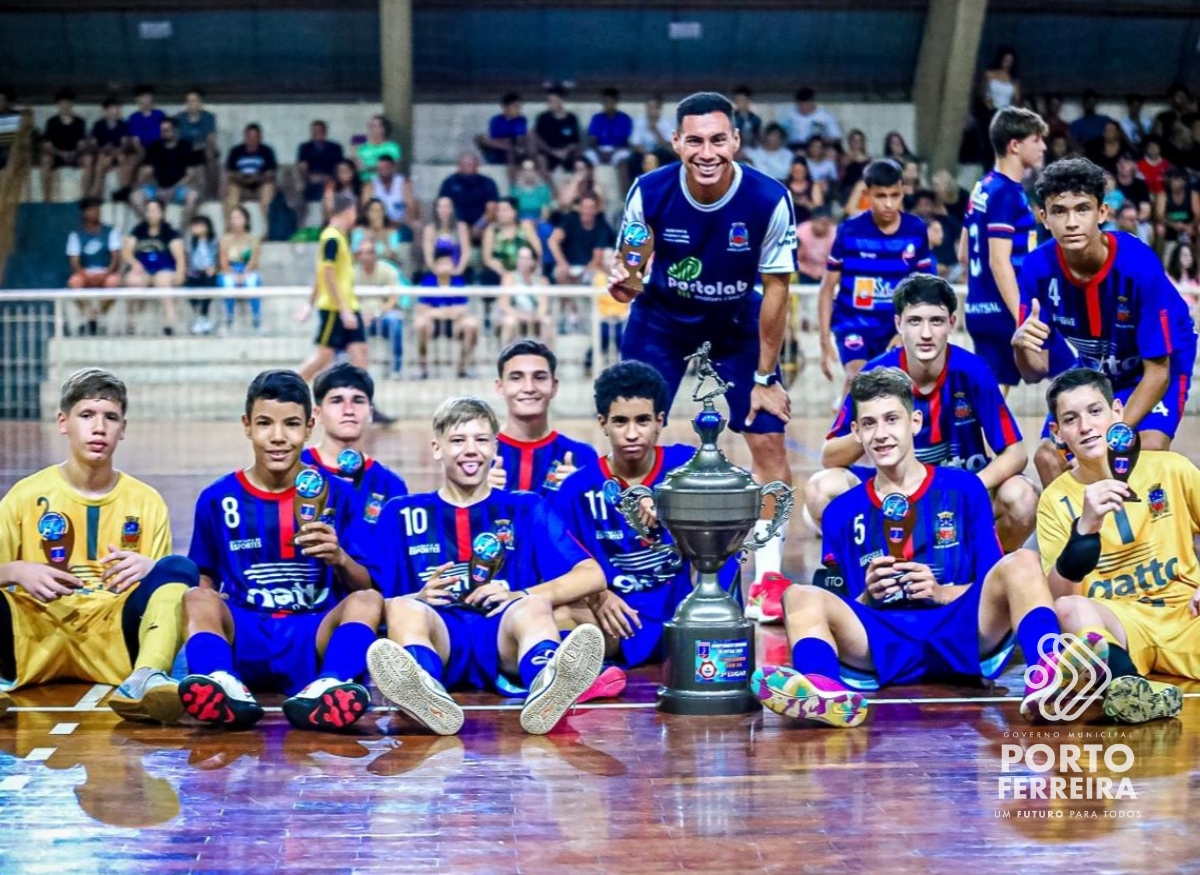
point(312, 491)
point(637, 242)
point(1124, 447)
point(709, 506)
point(898, 521)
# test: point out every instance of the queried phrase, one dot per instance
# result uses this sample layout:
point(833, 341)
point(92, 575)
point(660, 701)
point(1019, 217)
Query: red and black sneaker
point(327, 703)
point(220, 699)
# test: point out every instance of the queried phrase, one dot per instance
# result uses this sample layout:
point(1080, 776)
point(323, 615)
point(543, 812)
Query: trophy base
point(710, 656)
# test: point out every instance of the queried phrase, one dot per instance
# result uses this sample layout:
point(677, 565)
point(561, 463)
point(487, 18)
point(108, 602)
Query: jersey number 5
point(860, 530)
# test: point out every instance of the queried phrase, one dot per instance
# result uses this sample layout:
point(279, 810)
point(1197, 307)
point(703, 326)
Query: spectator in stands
point(896, 148)
point(1108, 149)
point(145, 123)
point(387, 241)
point(474, 195)
point(507, 139)
point(241, 252)
point(394, 190)
point(1180, 110)
point(806, 119)
point(113, 146)
point(317, 161)
point(650, 141)
point(1183, 270)
point(807, 194)
point(202, 251)
point(1058, 147)
point(945, 252)
point(371, 271)
point(1127, 220)
point(250, 168)
point(1135, 127)
point(94, 250)
point(1180, 147)
point(822, 163)
point(445, 317)
point(379, 130)
point(746, 121)
point(154, 256)
point(447, 236)
point(534, 196)
point(612, 314)
point(1152, 166)
point(168, 173)
point(1178, 208)
point(345, 181)
point(1090, 125)
point(1001, 87)
point(503, 239)
point(523, 306)
point(1052, 115)
point(910, 178)
point(10, 122)
point(952, 198)
point(198, 126)
point(853, 161)
point(64, 143)
point(578, 243)
point(557, 136)
point(1133, 186)
point(609, 131)
point(581, 183)
point(1114, 200)
point(773, 157)
point(815, 239)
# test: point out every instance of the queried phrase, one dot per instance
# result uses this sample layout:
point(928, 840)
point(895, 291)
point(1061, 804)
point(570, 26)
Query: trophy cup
point(1124, 447)
point(350, 463)
point(709, 506)
point(637, 242)
point(312, 491)
point(487, 557)
point(898, 521)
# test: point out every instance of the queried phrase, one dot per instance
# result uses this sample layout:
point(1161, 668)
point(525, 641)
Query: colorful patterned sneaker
point(1078, 667)
point(149, 695)
point(410, 688)
point(609, 685)
point(219, 698)
point(764, 601)
point(570, 672)
point(807, 697)
point(1133, 699)
point(327, 703)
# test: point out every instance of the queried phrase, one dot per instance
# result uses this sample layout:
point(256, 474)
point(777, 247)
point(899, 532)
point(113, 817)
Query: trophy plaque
point(637, 243)
point(312, 492)
point(1124, 447)
point(899, 517)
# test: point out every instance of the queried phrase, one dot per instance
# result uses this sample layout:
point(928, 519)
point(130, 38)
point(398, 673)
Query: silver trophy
point(709, 506)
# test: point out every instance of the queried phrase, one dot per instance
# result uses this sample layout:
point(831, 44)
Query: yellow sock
point(160, 634)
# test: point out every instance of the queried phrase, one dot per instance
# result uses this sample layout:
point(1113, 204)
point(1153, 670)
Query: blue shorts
point(663, 343)
point(992, 335)
point(858, 341)
point(1165, 416)
point(909, 646)
point(275, 653)
point(654, 607)
point(474, 662)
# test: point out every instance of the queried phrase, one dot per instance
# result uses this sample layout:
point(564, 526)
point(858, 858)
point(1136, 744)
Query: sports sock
point(1032, 631)
point(1119, 661)
point(208, 652)
point(428, 659)
point(816, 656)
point(346, 653)
point(535, 660)
point(161, 629)
point(769, 557)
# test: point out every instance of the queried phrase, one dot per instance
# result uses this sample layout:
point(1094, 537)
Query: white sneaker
point(219, 698)
point(149, 695)
point(570, 672)
point(403, 682)
point(327, 703)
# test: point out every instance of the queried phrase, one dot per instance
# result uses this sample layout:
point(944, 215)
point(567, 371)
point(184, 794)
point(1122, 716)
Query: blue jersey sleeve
point(1004, 211)
point(841, 425)
point(1027, 285)
point(924, 262)
point(837, 554)
point(558, 550)
point(999, 425)
point(983, 544)
point(204, 550)
point(385, 551)
point(837, 252)
point(1158, 295)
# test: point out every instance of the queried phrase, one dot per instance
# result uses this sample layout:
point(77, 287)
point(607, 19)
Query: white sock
point(769, 557)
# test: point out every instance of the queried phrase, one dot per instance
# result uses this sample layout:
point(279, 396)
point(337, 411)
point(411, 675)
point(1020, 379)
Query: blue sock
point(815, 656)
point(1033, 627)
point(346, 654)
point(535, 660)
point(208, 652)
point(428, 659)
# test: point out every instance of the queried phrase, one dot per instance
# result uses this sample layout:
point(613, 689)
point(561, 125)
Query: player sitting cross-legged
point(89, 591)
point(274, 562)
point(943, 609)
point(473, 576)
point(1121, 556)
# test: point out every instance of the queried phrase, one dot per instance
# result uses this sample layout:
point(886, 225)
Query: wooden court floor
point(616, 788)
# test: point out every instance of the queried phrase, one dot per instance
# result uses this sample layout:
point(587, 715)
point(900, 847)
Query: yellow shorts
point(1162, 638)
point(77, 637)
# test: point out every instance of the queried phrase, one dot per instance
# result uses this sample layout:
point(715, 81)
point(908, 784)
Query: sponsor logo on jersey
point(687, 270)
point(1160, 505)
point(854, 342)
point(131, 533)
point(676, 235)
point(1146, 577)
point(946, 532)
point(245, 544)
point(739, 237)
point(374, 507)
point(418, 549)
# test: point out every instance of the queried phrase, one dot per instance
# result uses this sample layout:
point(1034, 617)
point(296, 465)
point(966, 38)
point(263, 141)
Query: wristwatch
point(765, 379)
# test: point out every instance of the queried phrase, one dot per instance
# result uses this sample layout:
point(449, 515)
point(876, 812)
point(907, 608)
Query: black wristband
point(1080, 557)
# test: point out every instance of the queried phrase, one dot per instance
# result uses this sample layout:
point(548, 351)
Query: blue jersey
point(954, 532)
point(1128, 312)
point(533, 465)
point(374, 486)
point(872, 264)
point(242, 540)
point(998, 210)
point(707, 257)
point(417, 533)
point(962, 416)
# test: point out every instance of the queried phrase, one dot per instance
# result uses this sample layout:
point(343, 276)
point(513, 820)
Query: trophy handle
point(629, 507)
point(784, 500)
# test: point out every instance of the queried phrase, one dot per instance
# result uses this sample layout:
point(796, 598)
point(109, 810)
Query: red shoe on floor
point(609, 685)
point(764, 602)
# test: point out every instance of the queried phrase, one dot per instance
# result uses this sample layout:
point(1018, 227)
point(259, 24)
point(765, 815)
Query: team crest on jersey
point(553, 482)
point(945, 534)
point(1160, 505)
point(374, 507)
point(131, 533)
point(1123, 314)
point(910, 252)
point(739, 237)
point(962, 407)
point(504, 533)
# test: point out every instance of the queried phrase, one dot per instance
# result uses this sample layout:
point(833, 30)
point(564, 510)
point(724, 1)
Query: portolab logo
point(687, 270)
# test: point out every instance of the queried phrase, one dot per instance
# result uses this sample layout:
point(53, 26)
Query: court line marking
point(14, 783)
point(92, 697)
point(40, 754)
point(63, 728)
